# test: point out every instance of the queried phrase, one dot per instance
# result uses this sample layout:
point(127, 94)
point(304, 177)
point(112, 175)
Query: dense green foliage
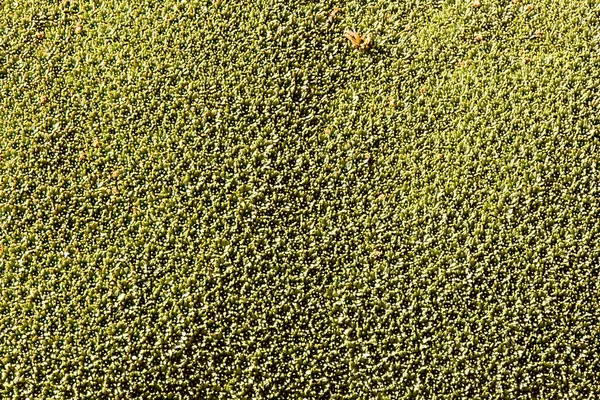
point(225, 199)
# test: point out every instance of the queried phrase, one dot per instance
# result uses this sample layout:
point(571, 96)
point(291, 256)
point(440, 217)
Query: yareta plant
point(278, 199)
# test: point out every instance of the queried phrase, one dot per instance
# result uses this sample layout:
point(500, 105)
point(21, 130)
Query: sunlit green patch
point(227, 199)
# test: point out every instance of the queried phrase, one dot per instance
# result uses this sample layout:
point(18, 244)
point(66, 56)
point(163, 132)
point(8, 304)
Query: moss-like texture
point(227, 200)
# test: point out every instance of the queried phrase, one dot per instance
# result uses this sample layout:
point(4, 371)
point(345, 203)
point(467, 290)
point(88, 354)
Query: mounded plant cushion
point(259, 199)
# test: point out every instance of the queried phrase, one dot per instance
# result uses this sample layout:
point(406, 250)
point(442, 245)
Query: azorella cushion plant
point(269, 199)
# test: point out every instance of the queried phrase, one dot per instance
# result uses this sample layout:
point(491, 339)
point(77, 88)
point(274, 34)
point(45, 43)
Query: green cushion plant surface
point(269, 199)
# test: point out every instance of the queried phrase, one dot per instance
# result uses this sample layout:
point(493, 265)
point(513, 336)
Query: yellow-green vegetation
point(248, 199)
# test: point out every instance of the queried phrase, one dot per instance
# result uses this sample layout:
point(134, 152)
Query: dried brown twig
point(361, 43)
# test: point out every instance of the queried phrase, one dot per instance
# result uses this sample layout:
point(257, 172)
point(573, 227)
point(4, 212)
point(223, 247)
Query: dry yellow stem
point(334, 13)
point(359, 42)
point(354, 37)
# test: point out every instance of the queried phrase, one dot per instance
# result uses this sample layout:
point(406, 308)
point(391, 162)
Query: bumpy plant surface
point(269, 199)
